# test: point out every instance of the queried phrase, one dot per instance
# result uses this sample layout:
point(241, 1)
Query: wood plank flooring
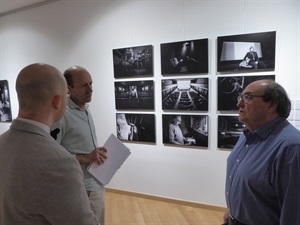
point(124, 209)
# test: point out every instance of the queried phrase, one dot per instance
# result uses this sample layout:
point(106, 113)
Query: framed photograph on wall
point(229, 131)
point(185, 94)
point(229, 88)
point(5, 104)
point(136, 127)
point(134, 94)
point(133, 61)
point(246, 52)
point(184, 57)
point(185, 130)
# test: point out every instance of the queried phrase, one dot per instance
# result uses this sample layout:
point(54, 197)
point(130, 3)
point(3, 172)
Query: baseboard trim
point(168, 200)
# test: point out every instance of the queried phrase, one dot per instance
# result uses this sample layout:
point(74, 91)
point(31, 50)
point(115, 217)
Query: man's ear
point(272, 107)
point(69, 89)
point(56, 101)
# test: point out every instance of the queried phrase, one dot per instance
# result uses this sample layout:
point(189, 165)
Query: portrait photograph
point(229, 88)
point(135, 127)
point(185, 94)
point(246, 52)
point(5, 104)
point(133, 61)
point(185, 130)
point(184, 57)
point(134, 94)
point(229, 131)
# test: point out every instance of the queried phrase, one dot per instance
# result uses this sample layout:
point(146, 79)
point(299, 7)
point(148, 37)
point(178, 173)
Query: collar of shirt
point(35, 123)
point(264, 131)
point(73, 105)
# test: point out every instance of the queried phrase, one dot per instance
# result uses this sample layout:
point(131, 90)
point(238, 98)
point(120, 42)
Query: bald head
point(36, 86)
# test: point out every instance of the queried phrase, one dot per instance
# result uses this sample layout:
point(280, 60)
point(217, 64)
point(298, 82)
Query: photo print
point(133, 61)
point(185, 94)
point(229, 88)
point(229, 131)
point(134, 94)
point(185, 130)
point(135, 127)
point(5, 104)
point(184, 57)
point(247, 52)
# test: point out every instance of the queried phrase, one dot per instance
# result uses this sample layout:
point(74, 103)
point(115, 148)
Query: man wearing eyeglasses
point(263, 169)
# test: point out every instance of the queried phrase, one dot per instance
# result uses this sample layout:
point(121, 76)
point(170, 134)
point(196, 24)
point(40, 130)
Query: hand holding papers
point(117, 153)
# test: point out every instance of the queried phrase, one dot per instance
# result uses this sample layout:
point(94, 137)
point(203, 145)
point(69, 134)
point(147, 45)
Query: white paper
point(117, 153)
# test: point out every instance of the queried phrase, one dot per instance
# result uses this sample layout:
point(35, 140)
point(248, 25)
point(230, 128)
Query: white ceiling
point(10, 6)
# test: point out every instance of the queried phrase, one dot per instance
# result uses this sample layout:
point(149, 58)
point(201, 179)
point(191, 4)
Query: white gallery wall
point(84, 32)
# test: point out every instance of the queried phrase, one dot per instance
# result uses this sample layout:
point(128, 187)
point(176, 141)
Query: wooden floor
point(124, 209)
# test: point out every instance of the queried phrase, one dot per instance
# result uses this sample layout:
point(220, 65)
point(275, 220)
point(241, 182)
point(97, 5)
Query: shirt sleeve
point(61, 197)
point(287, 184)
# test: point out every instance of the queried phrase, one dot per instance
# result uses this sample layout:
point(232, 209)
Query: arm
point(97, 155)
point(62, 196)
point(287, 185)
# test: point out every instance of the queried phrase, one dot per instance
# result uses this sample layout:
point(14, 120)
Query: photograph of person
point(246, 52)
point(184, 57)
point(134, 94)
point(185, 130)
point(185, 94)
point(5, 106)
point(135, 127)
point(229, 131)
point(229, 88)
point(133, 61)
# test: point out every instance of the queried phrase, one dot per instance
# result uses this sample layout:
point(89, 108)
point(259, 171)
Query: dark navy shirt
point(263, 176)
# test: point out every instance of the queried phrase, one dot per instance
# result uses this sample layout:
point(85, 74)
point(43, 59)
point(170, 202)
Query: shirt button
point(237, 160)
point(227, 193)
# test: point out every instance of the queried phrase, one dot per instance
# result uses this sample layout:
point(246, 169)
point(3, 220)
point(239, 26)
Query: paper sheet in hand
point(117, 153)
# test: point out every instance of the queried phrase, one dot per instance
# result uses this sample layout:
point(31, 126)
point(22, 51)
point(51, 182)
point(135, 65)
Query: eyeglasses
point(247, 97)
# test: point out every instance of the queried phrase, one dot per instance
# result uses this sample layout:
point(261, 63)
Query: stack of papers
point(117, 153)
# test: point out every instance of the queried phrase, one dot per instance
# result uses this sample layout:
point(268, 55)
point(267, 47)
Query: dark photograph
point(184, 57)
point(229, 88)
point(134, 94)
point(247, 52)
point(229, 131)
point(5, 105)
point(185, 130)
point(133, 61)
point(185, 94)
point(135, 127)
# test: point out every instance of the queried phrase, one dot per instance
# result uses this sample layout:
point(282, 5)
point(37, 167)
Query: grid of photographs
point(243, 53)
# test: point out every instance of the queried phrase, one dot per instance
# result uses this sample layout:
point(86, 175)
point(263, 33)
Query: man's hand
point(98, 155)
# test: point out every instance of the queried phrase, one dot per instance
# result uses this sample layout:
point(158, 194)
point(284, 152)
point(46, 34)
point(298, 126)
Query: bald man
point(40, 182)
point(78, 134)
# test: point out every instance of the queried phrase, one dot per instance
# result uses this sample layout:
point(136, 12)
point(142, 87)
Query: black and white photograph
point(136, 127)
point(5, 104)
point(185, 130)
point(133, 61)
point(247, 52)
point(229, 88)
point(184, 57)
point(185, 94)
point(229, 131)
point(134, 94)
